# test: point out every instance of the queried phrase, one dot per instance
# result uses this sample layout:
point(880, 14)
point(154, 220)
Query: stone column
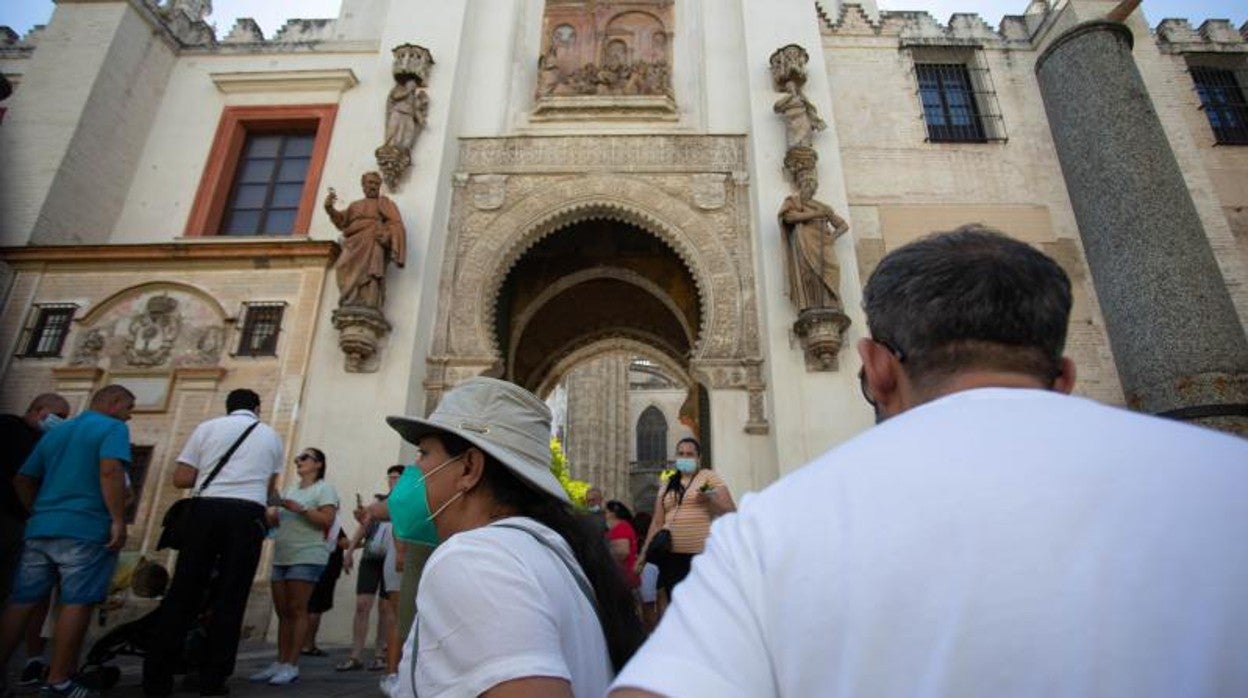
point(1177, 341)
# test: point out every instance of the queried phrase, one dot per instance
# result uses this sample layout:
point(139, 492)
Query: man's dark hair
point(396, 469)
point(242, 399)
point(971, 297)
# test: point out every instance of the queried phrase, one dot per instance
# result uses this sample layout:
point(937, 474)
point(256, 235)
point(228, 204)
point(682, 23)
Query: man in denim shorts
point(74, 485)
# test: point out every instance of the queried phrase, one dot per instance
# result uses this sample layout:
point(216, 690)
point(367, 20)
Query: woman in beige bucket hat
point(520, 590)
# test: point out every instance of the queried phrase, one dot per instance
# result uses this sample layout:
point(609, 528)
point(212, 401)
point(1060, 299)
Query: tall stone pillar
point(1177, 341)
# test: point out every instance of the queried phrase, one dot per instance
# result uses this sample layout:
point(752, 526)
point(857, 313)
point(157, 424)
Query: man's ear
point(878, 365)
point(1065, 381)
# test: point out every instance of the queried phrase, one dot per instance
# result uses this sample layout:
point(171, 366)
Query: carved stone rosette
point(360, 331)
point(810, 226)
point(407, 108)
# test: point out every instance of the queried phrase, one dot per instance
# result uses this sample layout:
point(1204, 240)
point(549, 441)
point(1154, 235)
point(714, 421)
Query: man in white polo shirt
point(993, 536)
point(226, 538)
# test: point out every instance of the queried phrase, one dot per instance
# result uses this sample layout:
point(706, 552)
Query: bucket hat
point(502, 419)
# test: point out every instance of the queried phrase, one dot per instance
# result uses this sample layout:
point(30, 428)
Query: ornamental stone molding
point(646, 181)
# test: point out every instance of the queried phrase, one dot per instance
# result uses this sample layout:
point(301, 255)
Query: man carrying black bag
point(233, 463)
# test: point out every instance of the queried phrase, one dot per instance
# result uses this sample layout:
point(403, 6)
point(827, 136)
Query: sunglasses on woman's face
point(304, 456)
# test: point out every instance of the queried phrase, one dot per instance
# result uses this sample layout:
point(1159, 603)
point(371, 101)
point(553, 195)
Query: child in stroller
point(146, 580)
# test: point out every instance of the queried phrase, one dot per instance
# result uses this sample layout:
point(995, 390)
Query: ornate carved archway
point(686, 191)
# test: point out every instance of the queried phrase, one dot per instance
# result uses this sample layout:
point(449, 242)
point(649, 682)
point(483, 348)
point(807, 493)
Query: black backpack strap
point(221, 463)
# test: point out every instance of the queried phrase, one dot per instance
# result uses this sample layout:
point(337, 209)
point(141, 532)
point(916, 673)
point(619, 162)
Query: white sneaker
point(269, 672)
point(389, 684)
point(288, 674)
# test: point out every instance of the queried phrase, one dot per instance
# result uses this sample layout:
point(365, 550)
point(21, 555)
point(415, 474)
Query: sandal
point(352, 664)
point(378, 664)
point(314, 652)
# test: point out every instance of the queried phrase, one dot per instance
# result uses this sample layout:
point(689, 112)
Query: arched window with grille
point(651, 437)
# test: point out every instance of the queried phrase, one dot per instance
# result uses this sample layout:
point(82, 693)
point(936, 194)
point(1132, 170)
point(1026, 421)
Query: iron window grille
point(956, 95)
point(1222, 100)
point(45, 333)
point(268, 184)
point(262, 323)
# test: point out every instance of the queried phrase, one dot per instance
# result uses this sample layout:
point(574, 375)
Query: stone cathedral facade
point(656, 214)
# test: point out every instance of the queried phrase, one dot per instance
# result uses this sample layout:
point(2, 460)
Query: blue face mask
point(409, 506)
point(50, 421)
point(686, 465)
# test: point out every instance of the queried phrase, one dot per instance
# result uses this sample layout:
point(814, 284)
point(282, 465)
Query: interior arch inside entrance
point(587, 318)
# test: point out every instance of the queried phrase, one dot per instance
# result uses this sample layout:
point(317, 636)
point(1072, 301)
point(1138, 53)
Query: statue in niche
point(372, 235)
point(407, 110)
point(548, 72)
point(811, 229)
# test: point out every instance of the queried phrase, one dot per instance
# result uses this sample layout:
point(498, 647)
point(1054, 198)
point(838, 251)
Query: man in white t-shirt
point(993, 537)
point(226, 539)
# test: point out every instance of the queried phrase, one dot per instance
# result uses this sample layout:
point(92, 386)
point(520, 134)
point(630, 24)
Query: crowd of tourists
point(992, 535)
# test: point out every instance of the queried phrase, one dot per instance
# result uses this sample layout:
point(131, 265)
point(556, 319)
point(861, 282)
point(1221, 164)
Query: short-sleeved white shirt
point(246, 475)
point(995, 542)
point(496, 605)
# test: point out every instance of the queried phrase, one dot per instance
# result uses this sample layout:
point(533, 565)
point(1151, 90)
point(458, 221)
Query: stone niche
point(605, 61)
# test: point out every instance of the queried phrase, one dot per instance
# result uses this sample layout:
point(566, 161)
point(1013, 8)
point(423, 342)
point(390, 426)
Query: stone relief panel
point(154, 327)
point(654, 183)
point(604, 59)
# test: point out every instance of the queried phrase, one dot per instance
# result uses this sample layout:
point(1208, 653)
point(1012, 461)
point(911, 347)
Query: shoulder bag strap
point(578, 575)
point(221, 463)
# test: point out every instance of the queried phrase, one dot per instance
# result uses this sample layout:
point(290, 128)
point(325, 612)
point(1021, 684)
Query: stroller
point(132, 639)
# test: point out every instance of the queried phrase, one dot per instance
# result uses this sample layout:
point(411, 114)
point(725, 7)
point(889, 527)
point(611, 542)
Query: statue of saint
point(810, 229)
point(407, 108)
point(372, 234)
point(801, 119)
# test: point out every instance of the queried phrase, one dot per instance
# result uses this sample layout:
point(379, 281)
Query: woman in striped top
point(694, 495)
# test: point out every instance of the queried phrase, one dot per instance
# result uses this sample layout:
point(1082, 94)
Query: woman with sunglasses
point(306, 510)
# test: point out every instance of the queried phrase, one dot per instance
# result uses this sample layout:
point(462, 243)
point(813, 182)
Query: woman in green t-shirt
point(306, 512)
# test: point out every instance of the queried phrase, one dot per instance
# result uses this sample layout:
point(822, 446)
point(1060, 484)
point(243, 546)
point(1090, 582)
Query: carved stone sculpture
point(373, 235)
point(153, 331)
point(801, 118)
point(605, 58)
point(407, 108)
point(810, 226)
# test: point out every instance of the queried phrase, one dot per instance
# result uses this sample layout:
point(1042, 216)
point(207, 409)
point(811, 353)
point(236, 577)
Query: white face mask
point(50, 421)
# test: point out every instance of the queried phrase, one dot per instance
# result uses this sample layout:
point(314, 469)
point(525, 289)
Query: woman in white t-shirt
point(306, 512)
point(522, 596)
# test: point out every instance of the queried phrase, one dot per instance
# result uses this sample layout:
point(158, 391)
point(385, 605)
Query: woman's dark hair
point(641, 524)
point(319, 455)
point(620, 511)
point(621, 625)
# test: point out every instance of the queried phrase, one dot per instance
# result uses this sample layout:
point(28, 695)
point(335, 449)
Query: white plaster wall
point(180, 140)
point(90, 187)
point(42, 120)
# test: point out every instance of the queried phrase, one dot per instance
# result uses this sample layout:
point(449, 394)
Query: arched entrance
point(549, 274)
point(576, 311)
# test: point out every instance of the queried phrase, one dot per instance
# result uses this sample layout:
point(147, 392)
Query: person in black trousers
point(233, 463)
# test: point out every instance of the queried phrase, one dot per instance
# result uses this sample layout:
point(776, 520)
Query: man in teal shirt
point(74, 485)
